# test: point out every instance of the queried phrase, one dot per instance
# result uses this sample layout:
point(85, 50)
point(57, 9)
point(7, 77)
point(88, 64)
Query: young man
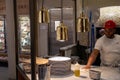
point(108, 46)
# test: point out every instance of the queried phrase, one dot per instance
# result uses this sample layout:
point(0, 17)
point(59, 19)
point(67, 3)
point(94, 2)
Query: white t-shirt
point(109, 49)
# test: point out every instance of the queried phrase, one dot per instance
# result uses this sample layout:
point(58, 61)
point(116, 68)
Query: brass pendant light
point(44, 14)
point(62, 33)
point(62, 30)
point(82, 21)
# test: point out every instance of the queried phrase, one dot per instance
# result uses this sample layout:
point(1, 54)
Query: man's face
point(109, 32)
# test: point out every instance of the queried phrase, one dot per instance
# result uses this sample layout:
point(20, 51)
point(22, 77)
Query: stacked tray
point(60, 65)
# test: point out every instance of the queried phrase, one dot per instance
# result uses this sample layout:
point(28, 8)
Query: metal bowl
point(94, 74)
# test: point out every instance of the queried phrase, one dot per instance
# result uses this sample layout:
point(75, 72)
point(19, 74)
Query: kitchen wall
point(92, 5)
point(101, 3)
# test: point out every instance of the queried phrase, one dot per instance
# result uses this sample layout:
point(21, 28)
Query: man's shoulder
point(117, 35)
point(101, 38)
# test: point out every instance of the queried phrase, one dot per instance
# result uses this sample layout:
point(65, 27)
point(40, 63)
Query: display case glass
point(34, 38)
point(24, 26)
point(2, 34)
point(23, 39)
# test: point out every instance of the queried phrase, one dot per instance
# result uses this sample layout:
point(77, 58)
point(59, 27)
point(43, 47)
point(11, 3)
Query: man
point(108, 46)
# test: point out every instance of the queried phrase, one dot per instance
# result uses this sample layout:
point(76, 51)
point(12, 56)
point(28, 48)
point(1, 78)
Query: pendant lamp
point(82, 21)
point(62, 30)
point(44, 14)
point(62, 33)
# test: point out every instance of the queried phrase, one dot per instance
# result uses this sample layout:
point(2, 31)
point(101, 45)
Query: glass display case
point(29, 31)
point(23, 39)
point(2, 34)
point(24, 26)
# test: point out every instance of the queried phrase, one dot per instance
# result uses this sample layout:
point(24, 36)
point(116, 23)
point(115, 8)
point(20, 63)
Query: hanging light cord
point(42, 8)
point(82, 6)
point(42, 4)
point(61, 11)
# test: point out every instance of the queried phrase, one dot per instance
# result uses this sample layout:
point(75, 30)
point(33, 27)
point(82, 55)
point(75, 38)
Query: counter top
point(107, 73)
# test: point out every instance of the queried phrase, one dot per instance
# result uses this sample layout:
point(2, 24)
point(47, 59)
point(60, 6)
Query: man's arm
point(92, 58)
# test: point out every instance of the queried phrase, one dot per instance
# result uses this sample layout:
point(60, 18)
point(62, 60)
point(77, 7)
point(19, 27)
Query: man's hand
point(86, 67)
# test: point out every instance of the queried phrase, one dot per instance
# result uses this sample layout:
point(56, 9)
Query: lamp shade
point(62, 33)
point(44, 16)
point(82, 24)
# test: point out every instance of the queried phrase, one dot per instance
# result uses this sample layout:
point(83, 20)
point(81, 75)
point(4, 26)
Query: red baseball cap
point(110, 24)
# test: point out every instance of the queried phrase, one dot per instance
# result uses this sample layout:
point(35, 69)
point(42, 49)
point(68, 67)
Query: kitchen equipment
point(43, 68)
point(44, 72)
point(60, 65)
point(95, 75)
